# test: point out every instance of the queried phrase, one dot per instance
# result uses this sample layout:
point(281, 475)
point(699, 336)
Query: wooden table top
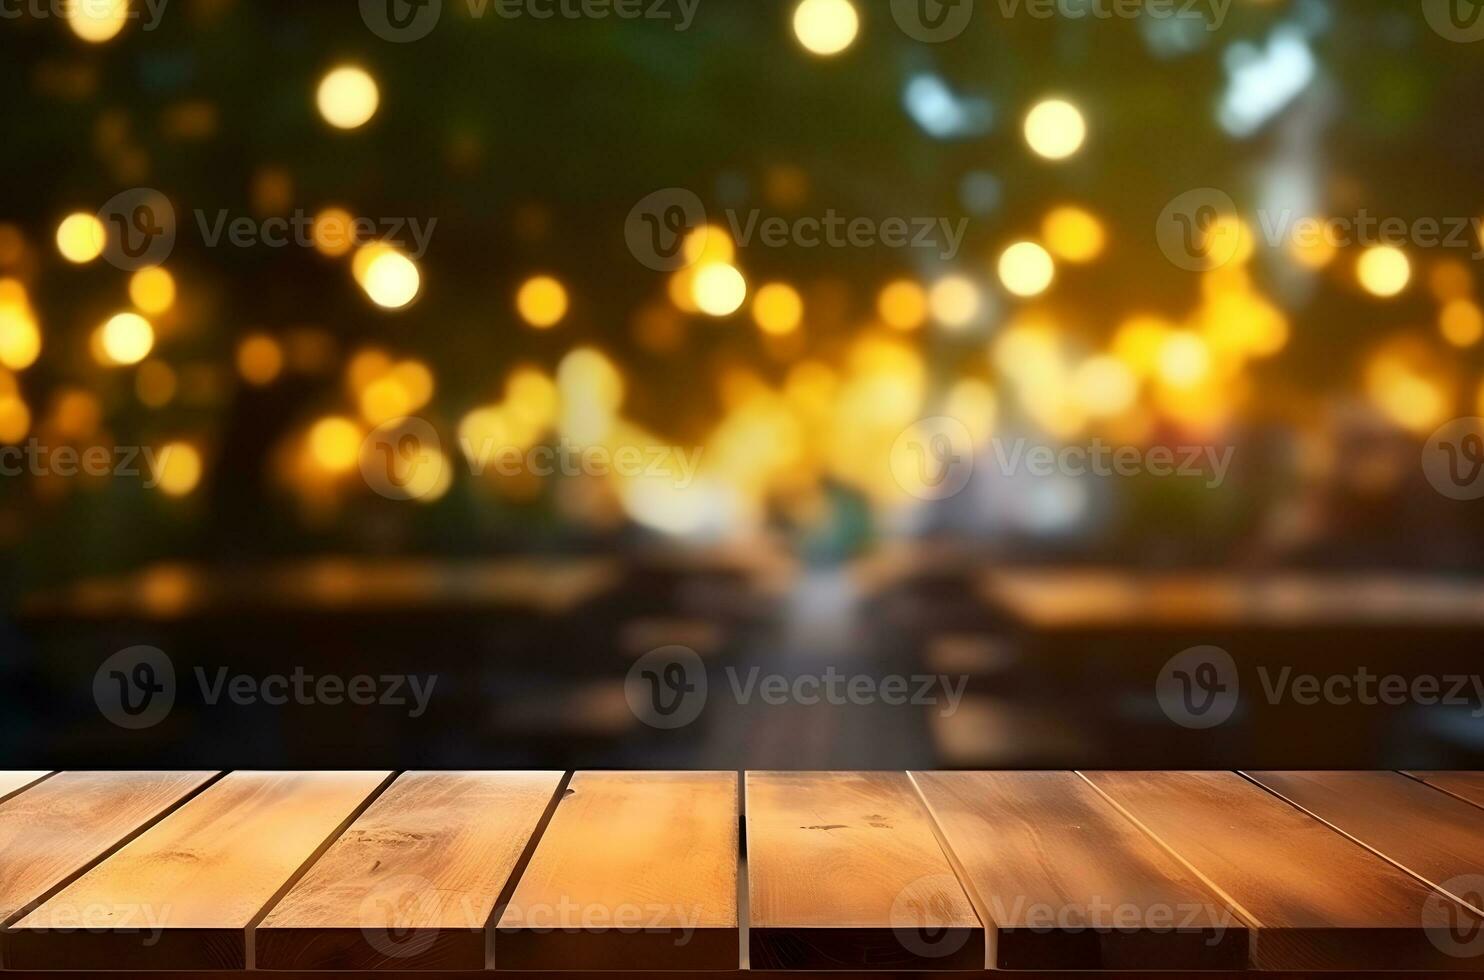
point(718, 871)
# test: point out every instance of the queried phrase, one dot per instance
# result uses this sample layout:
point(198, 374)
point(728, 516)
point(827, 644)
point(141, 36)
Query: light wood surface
point(1467, 786)
point(413, 883)
point(12, 781)
point(636, 870)
point(59, 826)
point(183, 894)
point(845, 872)
point(1063, 881)
point(1437, 837)
point(1316, 900)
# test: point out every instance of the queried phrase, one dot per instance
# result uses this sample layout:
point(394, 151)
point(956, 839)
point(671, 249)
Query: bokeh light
point(96, 21)
point(1073, 234)
point(335, 444)
point(826, 27)
point(541, 301)
point(347, 97)
point(80, 237)
point(719, 289)
point(902, 305)
point(1055, 129)
point(390, 279)
point(180, 468)
point(955, 302)
point(1384, 271)
point(152, 290)
point(1026, 269)
point(126, 338)
point(778, 308)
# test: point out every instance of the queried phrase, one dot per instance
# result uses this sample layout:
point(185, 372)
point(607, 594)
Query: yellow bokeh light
point(389, 278)
point(1402, 389)
point(15, 419)
point(96, 21)
point(1026, 269)
point(1184, 360)
point(1105, 386)
point(155, 383)
point(541, 301)
point(1451, 279)
point(335, 444)
point(532, 397)
point(902, 305)
point(80, 237)
point(152, 290)
point(180, 468)
point(778, 308)
point(1074, 235)
point(334, 232)
point(826, 27)
point(708, 243)
point(1384, 271)
point(20, 338)
point(126, 338)
point(1055, 129)
point(954, 301)
point(1462, 323)
point(259, 359)
point(719, 289)
point(347, 97)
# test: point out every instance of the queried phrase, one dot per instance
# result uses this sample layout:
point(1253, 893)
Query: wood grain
point(636, 870)
point(1433, 835)
point(58, 827)
point(1063, 881)
point(413, 883)
point(1467, 786)
point(845, 872)
point(1316, 900)
point(183, 894)
point(14, 780)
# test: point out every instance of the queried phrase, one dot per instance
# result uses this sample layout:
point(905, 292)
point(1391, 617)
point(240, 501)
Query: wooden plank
point(1063, 881)
point(14, 780)
point(58, 827)
point(413, 883)
point(182, 895)
point(845, 872)
point(1316, 900)
point(1436, 837)
point(1467, 786)
point(635, 871)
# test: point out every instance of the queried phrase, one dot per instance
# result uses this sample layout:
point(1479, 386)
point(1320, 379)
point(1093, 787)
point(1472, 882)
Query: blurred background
point(507, 344)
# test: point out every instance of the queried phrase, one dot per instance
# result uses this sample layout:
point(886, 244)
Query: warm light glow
point(180, 468)
point(259, 359)
point(347, 97)
point(335, 444)
point(541, 301)
point(334, 232)
point(1074, 235)
point(719, 289)
point(1105, 386)
point(1184, 360)
point(20, 338)
point(826, 27)
point(903, 305)
point(778, 308)
point(1402, 389)
point(155, 383)
point(15, 419)
point(1026, 269)
point(954, 301)
point(389, 278)
point(708, 243)
point(152, 290)
point(1055, 129)
point(126, 338)
point(96, 21)
point(80, 237)
point(1384, 271)
point(1462, 323)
